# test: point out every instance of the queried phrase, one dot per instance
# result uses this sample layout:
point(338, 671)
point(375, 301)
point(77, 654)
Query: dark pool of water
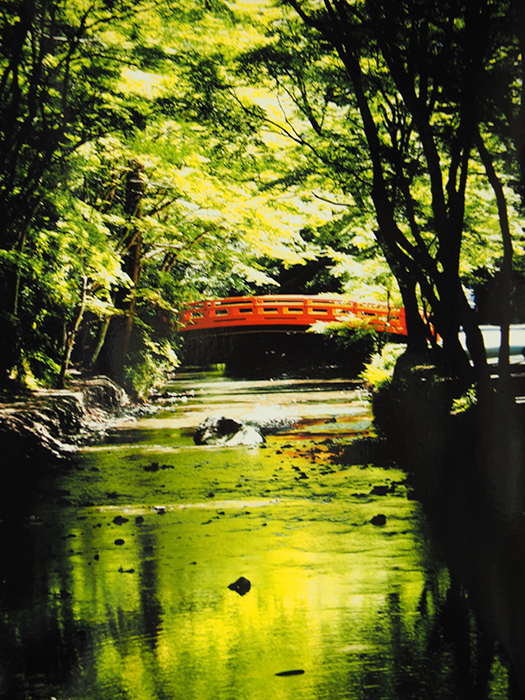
point(116, 584)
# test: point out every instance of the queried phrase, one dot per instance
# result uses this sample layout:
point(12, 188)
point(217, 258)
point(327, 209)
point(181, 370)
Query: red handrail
point(288, 310)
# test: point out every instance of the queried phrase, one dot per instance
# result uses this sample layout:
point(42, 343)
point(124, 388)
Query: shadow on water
point(121, 589)
point(478, 516)
point(469, 475)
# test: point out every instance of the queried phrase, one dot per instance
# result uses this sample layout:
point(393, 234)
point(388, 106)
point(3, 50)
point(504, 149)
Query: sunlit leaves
point(247, 136)
point(387, 103)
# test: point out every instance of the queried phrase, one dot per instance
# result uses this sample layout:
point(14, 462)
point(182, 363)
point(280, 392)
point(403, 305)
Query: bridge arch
point(290, 312)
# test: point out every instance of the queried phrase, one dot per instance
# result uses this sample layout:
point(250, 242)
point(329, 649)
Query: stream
point(116, 584)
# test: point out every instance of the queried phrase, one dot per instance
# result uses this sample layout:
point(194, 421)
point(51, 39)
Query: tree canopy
point(414, 110)
point(153, 154)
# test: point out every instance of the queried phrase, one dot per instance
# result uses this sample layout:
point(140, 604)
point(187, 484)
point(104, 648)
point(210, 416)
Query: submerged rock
point(241, 586)
point(219, 430)
point(294, 672)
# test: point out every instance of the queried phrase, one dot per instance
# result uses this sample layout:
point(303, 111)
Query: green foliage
point(154, 154)
point(147, 368)
point(396, 109)
point(465, 401)
point(58, 61)
point(93, 93)
point(347, 332)
point(380, 369)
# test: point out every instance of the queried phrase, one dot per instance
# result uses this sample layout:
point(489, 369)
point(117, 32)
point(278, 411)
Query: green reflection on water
point(132, 575)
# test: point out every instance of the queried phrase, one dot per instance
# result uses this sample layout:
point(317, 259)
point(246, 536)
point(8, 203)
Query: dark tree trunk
point(111, 358)
point(72, 333)
point(133, 259)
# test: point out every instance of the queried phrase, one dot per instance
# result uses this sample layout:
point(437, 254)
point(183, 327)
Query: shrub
point(149, 369)
point(380, 369)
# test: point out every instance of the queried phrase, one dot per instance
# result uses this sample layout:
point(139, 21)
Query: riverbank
point(47, 425)
point(437, 428)
point(465, 457)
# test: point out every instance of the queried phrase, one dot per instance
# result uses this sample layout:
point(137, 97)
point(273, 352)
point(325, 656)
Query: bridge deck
point(292, 312)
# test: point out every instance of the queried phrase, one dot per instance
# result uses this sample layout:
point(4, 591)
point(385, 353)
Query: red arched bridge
point(275, 312)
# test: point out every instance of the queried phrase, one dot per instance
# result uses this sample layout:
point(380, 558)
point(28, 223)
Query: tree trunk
point(133, 207)
point(120, 329)
point(101, 340)
point(71, 335)
point(506, 268)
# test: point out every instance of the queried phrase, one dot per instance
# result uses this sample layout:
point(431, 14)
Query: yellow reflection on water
point(320, 574)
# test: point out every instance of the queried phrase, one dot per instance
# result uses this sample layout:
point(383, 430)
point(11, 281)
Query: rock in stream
point(218, 430)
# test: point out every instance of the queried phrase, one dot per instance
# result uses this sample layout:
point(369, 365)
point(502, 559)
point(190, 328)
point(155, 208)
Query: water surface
point(117, 583)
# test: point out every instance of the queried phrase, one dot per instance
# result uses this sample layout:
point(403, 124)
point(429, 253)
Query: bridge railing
point(288, 310)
